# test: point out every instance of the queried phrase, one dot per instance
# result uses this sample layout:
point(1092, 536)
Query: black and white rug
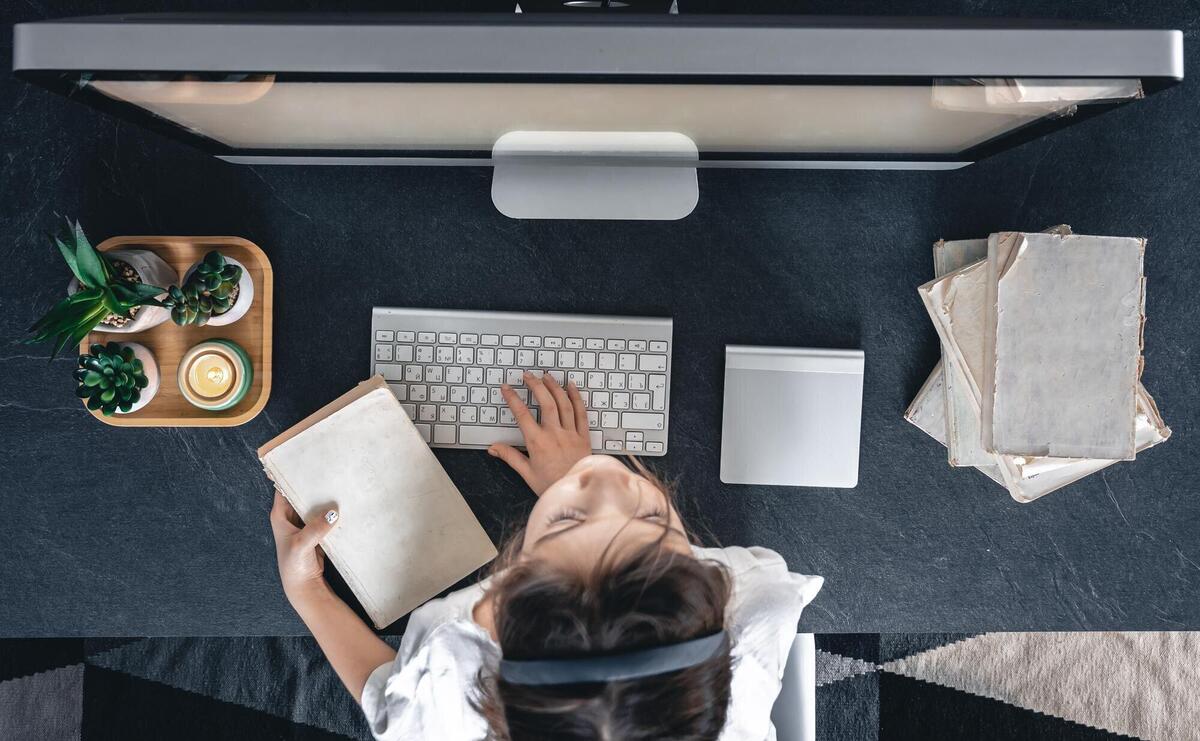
point(889, 686)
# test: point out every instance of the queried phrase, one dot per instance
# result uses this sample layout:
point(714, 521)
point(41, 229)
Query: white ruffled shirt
point(425, 693)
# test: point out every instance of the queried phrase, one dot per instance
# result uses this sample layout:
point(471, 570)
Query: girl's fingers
point(520, 411)
point(566, 415)
point(281, 516)
point(311, 535)
point(578, 407)
point(515, 459)
point(545, 400)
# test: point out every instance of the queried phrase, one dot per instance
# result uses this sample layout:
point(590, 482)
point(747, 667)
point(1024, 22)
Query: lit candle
point(215, 375)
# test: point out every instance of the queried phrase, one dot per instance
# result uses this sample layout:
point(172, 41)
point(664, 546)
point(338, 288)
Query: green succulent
point(110, 378)
point(208, 292)
point(101, 292)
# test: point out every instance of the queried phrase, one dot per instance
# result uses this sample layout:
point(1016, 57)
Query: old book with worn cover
point(1062, 345)
point(405, 533)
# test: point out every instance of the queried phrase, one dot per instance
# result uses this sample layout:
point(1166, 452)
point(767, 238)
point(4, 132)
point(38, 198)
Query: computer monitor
point(584, 116)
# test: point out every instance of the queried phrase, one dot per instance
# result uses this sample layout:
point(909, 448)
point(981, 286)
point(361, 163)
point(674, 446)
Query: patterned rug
point(889, 686)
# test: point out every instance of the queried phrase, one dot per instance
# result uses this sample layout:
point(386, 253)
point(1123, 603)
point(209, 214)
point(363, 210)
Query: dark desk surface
point(164, 531)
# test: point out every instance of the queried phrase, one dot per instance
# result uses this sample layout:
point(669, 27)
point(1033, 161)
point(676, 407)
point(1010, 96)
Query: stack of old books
point(1039, 383)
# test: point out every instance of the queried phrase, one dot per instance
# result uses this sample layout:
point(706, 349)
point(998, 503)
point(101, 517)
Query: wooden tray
point(169, 342)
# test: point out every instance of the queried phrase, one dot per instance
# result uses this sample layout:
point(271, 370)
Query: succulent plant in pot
point(116, 378)
point(217, 291)
point(107, 290)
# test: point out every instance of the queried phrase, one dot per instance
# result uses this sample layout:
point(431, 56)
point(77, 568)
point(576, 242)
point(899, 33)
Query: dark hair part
point(652, 596)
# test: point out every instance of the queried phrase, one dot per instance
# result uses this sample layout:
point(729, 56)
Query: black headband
point(616, 668)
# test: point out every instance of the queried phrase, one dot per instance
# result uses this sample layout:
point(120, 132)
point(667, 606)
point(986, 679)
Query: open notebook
point(405, 532)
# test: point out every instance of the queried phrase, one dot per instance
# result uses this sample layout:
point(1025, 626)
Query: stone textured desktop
point(164, 531)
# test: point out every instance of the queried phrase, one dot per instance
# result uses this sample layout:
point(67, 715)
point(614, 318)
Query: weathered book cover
point(1062, 345)
point(927, 413)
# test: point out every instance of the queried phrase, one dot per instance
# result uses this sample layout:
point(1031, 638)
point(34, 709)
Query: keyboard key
point(447, 338)
point(474, 376)
point(433, 373)
point(494, 376)
point(579, 378)
point(385, 335)
point(559, 377)
point(404, 353)
point(633, 447)
point(525, 358)
point(390, 372)
point(587, 360)
point(510, 340)
point(610, 420)
point(616, 381)
point(620, 400)
point(574, 343)
point(637, 382)
point(400, 390)
point(545, 358)
point(515, 377)
point(642, 421)
point(627, 361)
point(413, 373)
point(427, 412)
point(467, 414)
point(595, 344)
point(447, 413)
point(531, 341)
point(491, 340)
point(479, 395)
point(595, 380)
point(634, 437)
point(410, 410)
point(600, 400)
point(658, 392)
point(593, 419)
point(426, 337)
point(616, 344)
point(488, 415)
point(654, 447)
point(506, 416)
point(583, 395)
point(652, 362)
point(637, 345)
point(472, 435)
point(566, 359)
point(445, 354)
point(641, 402)
point(506, 357)
point(424, 354)
point(418, 392)
point(465, 356)
point(406, 337)
point(485, 356)
point(383, 352)
point(495, 397)
point(468, 339)
point(424, 430)
point(658, 346)
point(443, 434)
point(597, 439)
point(454, 374)
point(615, 446)
point(608, 361)
point(438, 393)
point(458, 394)
point(553, 343)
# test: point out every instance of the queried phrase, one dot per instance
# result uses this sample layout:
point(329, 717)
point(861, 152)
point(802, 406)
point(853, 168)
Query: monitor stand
point(647, 175)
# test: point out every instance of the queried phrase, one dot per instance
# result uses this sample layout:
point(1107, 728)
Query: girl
point(601, 619)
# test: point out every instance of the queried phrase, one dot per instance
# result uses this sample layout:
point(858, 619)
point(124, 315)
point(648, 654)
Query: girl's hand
point(555, 444)
point(301, 562)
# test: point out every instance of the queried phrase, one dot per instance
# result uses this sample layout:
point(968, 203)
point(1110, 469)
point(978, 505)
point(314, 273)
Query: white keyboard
point(446, 368)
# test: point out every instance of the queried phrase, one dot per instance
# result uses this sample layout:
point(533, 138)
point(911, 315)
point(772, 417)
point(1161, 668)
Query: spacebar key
point(642, 421)
point(470, 435)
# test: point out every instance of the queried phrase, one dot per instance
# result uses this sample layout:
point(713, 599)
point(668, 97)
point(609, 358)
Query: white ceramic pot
point(150, 368)
point(244, 300)
point(154, 271)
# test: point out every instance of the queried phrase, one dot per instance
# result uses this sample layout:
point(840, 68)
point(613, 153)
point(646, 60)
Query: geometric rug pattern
point(1061, 686)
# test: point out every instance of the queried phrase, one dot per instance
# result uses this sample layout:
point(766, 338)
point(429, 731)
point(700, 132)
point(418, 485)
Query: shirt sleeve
point(429, 695)
point(762, 617)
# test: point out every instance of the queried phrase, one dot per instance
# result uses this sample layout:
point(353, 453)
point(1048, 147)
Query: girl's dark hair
point(652, 596)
